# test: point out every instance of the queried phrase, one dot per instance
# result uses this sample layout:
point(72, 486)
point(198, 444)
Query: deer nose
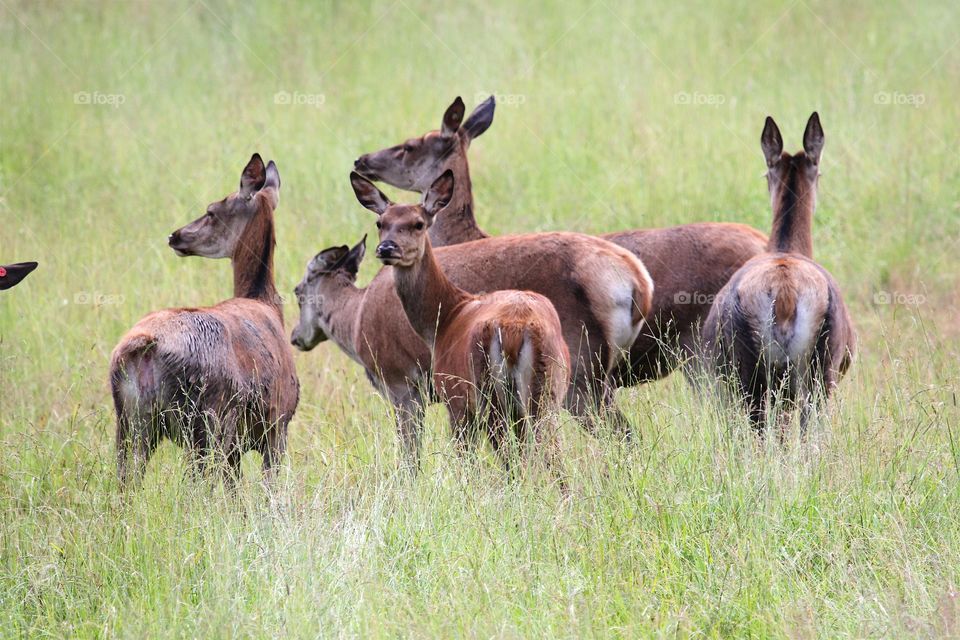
point(173, 238)
point(387, 250)
point(359, 163)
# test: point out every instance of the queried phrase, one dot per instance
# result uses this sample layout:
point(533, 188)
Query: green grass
point(695, 531)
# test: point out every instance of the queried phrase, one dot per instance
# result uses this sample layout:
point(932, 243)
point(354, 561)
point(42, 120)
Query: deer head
point(415, 164)
point(403, 227)
point(217, 233)
point(318, 294)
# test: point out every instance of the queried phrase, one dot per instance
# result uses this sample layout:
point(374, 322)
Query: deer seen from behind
point(779, 328)
point(217, 380)
point(499, 359)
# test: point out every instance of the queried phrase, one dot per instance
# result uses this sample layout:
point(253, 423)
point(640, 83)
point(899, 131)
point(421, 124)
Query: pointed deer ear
point(273, 177)
point(813, 138)
point(438, 195)
point(253, 176)
point(351, 262)
point(271, 185)
point(327, 259)
point(368, 194)
point(771, 142)
point(481, 118)
point(12, 274)
point(453, 117)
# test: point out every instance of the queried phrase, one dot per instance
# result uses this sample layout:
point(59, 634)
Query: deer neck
point(427, 295)
point(253, 261)
point(793, 218)
point(343, 319)
point(455, 223)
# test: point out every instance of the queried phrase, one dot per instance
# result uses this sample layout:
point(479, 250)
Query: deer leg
point(501, 436)
point(137, 440)
point(228, 437)
point(545, 432)
point(272, 448)
point(816, 391)
point(594, 407)
point(409, 409)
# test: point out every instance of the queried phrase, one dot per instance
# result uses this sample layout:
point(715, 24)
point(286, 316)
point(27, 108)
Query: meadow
point(121, 121)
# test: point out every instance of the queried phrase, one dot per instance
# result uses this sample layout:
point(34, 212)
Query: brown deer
point(499, 357)
point(12, 274)
point(780, 327)
point(218, 380)
point(688, 263)
point(372, 329)
point(600, 291)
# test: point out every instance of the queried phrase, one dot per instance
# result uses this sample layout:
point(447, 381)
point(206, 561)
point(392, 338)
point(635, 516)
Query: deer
point(370, 327)
point(600, 291)
point(12, 274)
point(499, 358)
point(780, 327)
point(688, 263)
point(217, 380)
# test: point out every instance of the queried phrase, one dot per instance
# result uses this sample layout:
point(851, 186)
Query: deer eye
point(407, 148)
point(418, 226)
point(379, 225)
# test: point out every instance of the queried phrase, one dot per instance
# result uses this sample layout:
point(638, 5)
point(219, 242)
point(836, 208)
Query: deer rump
point(780, 325)
point(504, 352)
point(203, 378)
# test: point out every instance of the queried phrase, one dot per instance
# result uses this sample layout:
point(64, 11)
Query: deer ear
point(771, 142)
point(253, 176)
point(273, 177)
point(271, 185)
point(439, 194)
point(351, 262)
point(368, 194)
point(12, 274)
point(453, 117)
point(481, 118)
point(813, 138)
point(327, 259)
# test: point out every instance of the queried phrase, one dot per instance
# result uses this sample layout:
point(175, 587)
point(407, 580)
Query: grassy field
point(120, 121)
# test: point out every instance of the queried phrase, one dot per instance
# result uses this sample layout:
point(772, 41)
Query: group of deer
point(505, 331)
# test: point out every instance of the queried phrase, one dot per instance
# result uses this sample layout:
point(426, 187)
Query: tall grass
point(121, 121)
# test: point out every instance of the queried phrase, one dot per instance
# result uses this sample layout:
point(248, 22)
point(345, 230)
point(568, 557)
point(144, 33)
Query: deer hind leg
point(137, 439)
point(754, 393)
point(229, 448)
point(272, 447)
point(138, 424)
point(545, 425)
point(466, 423)
point(816, 389)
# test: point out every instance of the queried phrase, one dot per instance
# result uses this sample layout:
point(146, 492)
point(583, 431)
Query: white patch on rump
point(620, 325)
point(794, 341)
point(523, 374)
